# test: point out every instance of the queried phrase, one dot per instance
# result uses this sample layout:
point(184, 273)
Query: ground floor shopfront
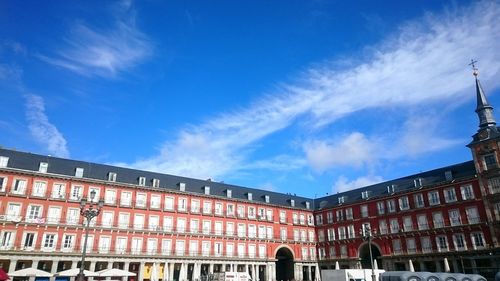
point(182, 269)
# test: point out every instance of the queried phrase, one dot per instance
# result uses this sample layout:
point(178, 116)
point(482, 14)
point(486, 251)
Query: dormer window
point(490, 161)
point(249, 196)
point(79, 172)
point(292, 202)
point(112, 176)
point(365, 194)
point(207, 190)
point(229, 193)
point(266, 198)
point(308, 205)
point(417, 182)
point(4, 161)
point(156, 183)
point(341, 199)
point(142, 181)
point(391, 188)
point(43, 167)
point(182, 186)
point(448, 175)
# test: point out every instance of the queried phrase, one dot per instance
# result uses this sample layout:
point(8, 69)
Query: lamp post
point(367, 234)
point(89, 211)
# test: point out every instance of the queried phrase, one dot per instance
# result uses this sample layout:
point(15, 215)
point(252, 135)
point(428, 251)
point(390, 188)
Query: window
point(331, 234)
point(182, 186)
point(350, 231)
point(76, 192)
point(321, 235)
point(340, 215)
point(207, 207)
point(396, 246)
point(154, 223)
point(43, 167)
point(364, 195)
point(29, 240)
point(303, 236)
point(394, 225)
point(97, 194)
point(4, 161)
point(169, 203)
point(411, 247)
point(123, 220)
point(426, 244)
point(477, 240)
point(419, 200)
point(455, 217)
point(382, 225)
point(142, 181)
point(194, 226)
point(39, 188)
point(136, 245)
point(343, 251)
point(155, 201)
point(331, 252)
point(329, 217)
point(241, 211)
point(302, 219)
point(230, 210)
point(34, 214)
point(126, 199)
point(49, 242)
point(422, 222)
point(251, 212)
point(459, 242)
point(348, 213)
point(229, 229)
point(283, 234)
point(218, 249)
point(58, 191)
point(218, 209)
point(151, 246)
point(182, 205)
point(68, 242)
point(79, 172)
point(19, 186)
point(90, 244)
point(140, 200)
point(295, 218)
point(269, 232)
point(72, 216)
point(229, 193)
point(342, 234)
point(207, 190)
point(121, 245)
point(308, 205)
point(403, 203)
point(391, 206)
point(3, 183)
point(112, 176)
point(251, 250)
point(193, 248)
point(381, 207)
point(341, 200)
point(472, 215)
point(156, 183)
point(249, 196)
point(252, 231)
point(407, 224)
point(319, 219)
point(490, 161)
point(282, 216)
point(438, 219)
point(296, 235)
point(241, 250)
point(467, 192)
point(450, 195)
point(364, 211)
point(54, 215)
point(181, 225)
point(166, 246)
point(266, 198)
point(207, 225)
point(269, 214)
point(442, 243)
point(195, 206)
point(7, 240)
point(110, 196)
point(241, 230)
point(262, 251)
point(494, 185)
point(229, 249)
point(13, 211)
point(292, 202)
point(433, 198)
point(138, 221)
point(168, 223)
point(218, 228)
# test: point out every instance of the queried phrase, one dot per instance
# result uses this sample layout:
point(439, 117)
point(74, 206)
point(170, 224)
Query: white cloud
point(343, 184)
point(424, 62)
point(92, 52)
point(42, 130)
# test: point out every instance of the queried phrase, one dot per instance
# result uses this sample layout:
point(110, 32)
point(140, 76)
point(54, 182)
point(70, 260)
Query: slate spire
point(484, 110)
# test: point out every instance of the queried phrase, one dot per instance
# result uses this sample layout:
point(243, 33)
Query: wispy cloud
point(42, 130)
point(423, 62)
point(343, 184)
point(103, 52)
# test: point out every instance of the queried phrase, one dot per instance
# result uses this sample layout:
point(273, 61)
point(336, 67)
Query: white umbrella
point(30, 272)
point(337, 266)
point(446, 265)
point(74, 272)
point(165, 272)
point(115, 272)
point(375, 264)
point(410, 266)
point(318, 273)
point(154, 273)
point(182, 272)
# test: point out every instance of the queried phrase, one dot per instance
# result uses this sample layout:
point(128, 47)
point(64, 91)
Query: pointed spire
point(484, 110)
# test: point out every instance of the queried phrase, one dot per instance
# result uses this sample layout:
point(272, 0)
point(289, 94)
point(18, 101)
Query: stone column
point(211, 268)
point(110, 265)
point(309, 276)
point(74, 264)
point(92, 268)
point(196, 271)
point(34, 264)
point(171, 271)
point(140, 276)
point(53, 269)
point(12, 265)
point(126, 266)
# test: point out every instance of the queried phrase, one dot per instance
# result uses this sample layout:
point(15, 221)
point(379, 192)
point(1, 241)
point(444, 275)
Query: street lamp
point(89, 211)
point(367, 234)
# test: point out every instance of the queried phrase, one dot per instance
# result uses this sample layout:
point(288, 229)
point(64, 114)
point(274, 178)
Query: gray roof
point(66, 167)
point(431, 178)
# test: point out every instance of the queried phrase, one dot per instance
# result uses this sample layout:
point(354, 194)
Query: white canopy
point(114, 272)
point(74, 272)
point(30, 272)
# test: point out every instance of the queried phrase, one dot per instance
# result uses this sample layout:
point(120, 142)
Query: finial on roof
point(475, 71)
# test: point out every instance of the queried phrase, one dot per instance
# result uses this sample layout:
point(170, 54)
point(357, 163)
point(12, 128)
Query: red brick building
point(192, 228)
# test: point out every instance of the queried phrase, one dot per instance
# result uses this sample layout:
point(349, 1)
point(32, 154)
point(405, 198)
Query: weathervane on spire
point(474, 68)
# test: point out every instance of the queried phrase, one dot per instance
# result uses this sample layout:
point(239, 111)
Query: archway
point(364, 255)
point(284, 264)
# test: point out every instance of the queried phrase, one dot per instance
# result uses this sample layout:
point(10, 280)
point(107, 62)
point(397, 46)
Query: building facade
point(192, 228)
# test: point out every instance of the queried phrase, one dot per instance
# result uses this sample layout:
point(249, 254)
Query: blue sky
point(308, 97)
